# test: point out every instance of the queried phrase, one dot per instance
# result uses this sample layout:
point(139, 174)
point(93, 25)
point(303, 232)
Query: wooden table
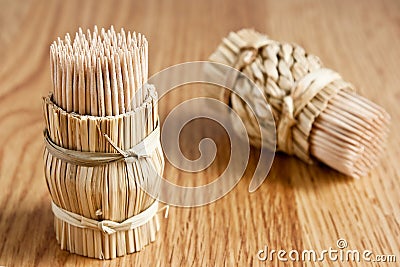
point(298, 207)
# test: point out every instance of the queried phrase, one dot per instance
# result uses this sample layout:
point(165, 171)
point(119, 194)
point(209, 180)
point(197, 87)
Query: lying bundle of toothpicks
point(103, 153)
point(317, 114)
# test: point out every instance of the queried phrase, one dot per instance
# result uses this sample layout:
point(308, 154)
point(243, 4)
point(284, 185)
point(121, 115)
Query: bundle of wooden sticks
point(103, 154)
point(318, 115)
point(99, 73)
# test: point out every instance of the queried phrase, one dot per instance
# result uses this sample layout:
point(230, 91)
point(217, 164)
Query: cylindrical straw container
point(103, 156)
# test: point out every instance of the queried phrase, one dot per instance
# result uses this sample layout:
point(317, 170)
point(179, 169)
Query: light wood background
point(298, 207)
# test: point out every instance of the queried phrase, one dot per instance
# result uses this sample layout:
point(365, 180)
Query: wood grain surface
point(298, 206)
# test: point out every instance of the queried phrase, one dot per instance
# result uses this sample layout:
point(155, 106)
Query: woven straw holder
point(318, 115)
point(99, 199)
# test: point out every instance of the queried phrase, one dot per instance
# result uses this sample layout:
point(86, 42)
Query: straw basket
point(318, 116)
point(98, 170)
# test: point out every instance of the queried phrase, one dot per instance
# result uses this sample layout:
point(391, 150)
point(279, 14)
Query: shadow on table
point(28, 238)
point(293, 173)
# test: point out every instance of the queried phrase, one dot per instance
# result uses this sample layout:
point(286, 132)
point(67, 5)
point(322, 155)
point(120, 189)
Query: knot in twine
point(300, 94)
point(107, 226)
point(91, 159)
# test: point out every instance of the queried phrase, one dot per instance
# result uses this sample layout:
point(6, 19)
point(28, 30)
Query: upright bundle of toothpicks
point(103, 156)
